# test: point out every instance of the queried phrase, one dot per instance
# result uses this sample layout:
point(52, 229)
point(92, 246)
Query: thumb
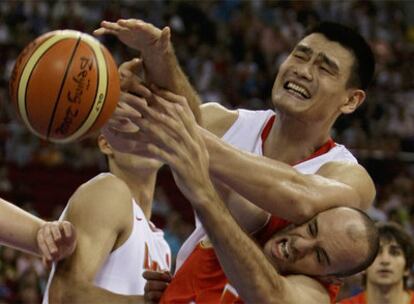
point(131, 66)
point(165, 37)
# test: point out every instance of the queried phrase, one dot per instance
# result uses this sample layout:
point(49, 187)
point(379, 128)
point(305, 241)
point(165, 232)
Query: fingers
point(68, 229)
point(46, 242)
point(108, 28)
point(134, 65)
point(130, 81)
point(157, 282)
point(157, 275)
point(44, 249)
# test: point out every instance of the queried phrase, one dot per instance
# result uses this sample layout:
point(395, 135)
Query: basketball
point(64, 86)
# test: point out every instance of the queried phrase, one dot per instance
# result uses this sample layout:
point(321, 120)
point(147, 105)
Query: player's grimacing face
point(312, 80)
point(324, 245)
point(389, 266)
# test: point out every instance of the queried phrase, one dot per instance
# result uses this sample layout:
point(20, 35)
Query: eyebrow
point(325, 59)
point(303, 48)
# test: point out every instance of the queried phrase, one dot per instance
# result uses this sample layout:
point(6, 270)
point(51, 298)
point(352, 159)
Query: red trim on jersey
point(321, 150)
point(273, 225)
point(266, 129)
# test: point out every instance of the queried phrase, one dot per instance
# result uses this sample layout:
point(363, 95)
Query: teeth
point(298, 89)
point(284, 249)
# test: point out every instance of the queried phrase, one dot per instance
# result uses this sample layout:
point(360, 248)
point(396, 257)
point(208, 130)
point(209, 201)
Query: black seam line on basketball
point(106, 88)
point(52, 118)
point(96, 93)
point(28, 80)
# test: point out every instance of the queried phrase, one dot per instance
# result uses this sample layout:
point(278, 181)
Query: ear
point(354, 100)
point(104, 146)
point(407, 273)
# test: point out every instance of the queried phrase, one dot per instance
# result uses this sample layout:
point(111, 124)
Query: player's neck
point(141, 185)
point(387, 294)
point(291, 141)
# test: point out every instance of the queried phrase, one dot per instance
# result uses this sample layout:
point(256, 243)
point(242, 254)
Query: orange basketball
point(64, 85)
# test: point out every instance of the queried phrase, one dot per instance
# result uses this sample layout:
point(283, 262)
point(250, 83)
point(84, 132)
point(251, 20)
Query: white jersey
point(145, 249)
point(247, 134)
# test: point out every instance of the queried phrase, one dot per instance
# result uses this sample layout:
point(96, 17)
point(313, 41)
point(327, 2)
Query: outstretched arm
point(24, 231)
point(160, 62)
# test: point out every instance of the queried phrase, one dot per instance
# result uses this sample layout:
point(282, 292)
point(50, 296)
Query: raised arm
point(280, 189)
point(161, 64)
point(24, 231)
point(99, 210)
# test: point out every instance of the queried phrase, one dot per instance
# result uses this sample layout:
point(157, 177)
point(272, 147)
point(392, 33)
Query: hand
point(56, 240)
point(137, 34)
point(154, 44)
point(157, 282)
point(132, 86)
point(169, 127)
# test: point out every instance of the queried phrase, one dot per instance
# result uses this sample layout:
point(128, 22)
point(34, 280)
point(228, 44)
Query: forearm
point(65, 290)
point(243, 262)
point(272, 185)
point(18, 228)
point(171, 77)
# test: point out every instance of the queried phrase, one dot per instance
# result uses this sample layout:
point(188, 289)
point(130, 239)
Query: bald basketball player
point(24, 231)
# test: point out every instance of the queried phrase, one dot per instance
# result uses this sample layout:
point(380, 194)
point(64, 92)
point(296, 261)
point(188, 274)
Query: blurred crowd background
point(231, 51)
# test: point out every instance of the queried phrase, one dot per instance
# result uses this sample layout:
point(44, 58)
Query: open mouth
point(297, 90)
point(282, 250)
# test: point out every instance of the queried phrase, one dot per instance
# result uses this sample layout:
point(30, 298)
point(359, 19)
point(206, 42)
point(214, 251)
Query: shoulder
point(105, 196)
point(304, 289)
point(216, 118)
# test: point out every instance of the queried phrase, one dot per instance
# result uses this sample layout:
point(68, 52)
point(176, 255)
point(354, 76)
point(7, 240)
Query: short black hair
point(373, 246)
point(390, 231)
point(362, 71)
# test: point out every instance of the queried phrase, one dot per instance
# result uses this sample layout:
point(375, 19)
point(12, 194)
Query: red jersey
point(201, 279)
point(362, 299)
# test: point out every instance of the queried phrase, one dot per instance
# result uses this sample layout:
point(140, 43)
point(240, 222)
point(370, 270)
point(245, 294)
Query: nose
point(303, 246)
point(304, 70)
point(384, 258)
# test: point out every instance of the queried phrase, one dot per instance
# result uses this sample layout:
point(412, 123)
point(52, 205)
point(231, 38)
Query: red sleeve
point(273, 225)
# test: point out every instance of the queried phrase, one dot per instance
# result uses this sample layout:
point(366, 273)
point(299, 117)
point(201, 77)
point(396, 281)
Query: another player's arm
point(280, 189)
point(161, 64)
point(99, 210)
point(18, 228)
point(243, 261)
point(24, 231)
point(248, 270)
